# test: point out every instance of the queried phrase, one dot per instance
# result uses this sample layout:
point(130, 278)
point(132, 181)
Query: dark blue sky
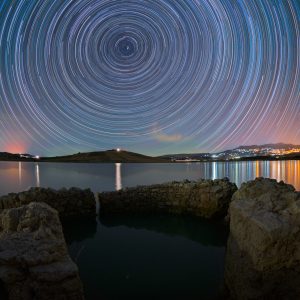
point(155, 76)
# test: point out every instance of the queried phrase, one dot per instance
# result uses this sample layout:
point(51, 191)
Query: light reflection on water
point(19, 176)
point(118, 177)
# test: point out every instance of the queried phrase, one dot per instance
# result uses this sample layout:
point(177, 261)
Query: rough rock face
point(205, 198)
point(263, 252)
point(72, 202)
point(34, 261)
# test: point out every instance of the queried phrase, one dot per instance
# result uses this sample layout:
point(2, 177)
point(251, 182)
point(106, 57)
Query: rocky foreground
point(203, 198)
point(263, 249)
point(34, 260)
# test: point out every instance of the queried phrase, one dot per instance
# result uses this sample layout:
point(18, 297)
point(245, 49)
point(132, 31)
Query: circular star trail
point(152, 76)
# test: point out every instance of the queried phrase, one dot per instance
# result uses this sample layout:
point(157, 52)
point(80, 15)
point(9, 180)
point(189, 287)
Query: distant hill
point(242, 152)
point(251, 152)
point(112, 156)
point(109, 156)
point(182, 156)
point(6, 155)
point(274, 146)
point(14, 156)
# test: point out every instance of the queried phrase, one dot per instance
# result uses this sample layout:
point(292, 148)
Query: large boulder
point(263, 251)
point(34, 261)
point(68, 202)
point(205, 198)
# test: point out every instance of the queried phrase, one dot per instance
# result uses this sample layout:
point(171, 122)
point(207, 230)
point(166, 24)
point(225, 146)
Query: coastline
point(296, 158)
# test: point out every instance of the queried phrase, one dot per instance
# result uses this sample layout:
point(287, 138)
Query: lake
point(146, 257)
point(19, 176)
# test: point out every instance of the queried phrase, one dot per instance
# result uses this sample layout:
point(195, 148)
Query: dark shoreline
point(151, 162)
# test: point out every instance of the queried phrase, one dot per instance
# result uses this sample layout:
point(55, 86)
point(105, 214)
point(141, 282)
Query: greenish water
point(148, 257)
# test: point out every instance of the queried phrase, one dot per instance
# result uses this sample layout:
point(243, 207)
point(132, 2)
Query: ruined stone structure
point(263, 252)
point(68, 202)
point(205, 198)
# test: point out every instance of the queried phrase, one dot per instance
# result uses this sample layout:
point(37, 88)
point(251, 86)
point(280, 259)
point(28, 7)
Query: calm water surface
point(149, 257)
point(19, 176)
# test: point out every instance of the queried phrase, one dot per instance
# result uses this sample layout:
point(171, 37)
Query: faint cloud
point(160, 136)
point(168, 137)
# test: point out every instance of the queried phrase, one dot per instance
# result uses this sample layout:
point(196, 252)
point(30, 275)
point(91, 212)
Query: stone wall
point(205, 198)
point(263, 252)
point(68, 202)
point(34, 260)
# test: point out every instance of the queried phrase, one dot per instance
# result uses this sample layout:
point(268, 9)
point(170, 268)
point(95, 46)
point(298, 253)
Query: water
point(19, 176)
point(146, 257)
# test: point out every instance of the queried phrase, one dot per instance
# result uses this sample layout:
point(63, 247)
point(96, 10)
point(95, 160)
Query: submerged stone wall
point(205, 198)
point(263, 252)
point(68, 202)
point(34, 259)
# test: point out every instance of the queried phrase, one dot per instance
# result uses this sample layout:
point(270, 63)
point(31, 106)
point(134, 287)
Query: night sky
point(150, 76)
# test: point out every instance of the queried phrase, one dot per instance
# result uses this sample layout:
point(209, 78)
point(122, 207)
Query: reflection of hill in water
point(212, 233)
point(79, 229)
point(128, 170)
point(205, 232)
